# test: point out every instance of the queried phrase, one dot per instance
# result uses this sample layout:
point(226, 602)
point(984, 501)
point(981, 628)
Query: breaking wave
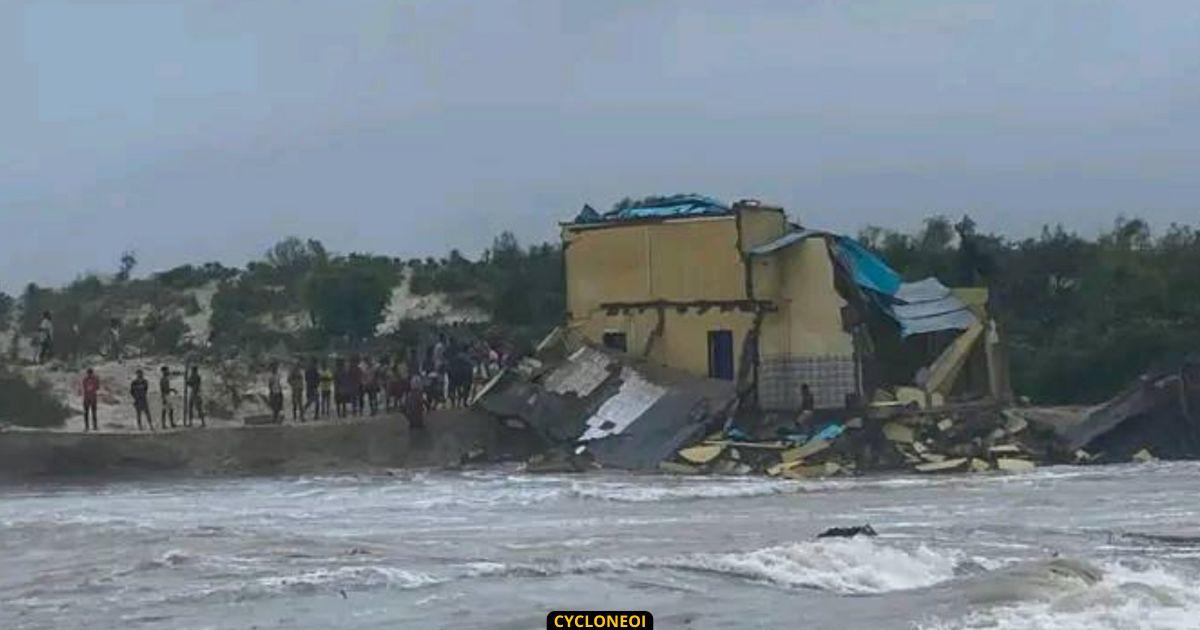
point(1146, 597)
point(853, 567)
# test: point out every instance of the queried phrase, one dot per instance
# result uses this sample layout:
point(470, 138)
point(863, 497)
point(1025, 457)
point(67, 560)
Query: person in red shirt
point(91, 392)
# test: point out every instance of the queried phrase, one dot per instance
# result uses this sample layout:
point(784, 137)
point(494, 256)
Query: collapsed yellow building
point(735, 293)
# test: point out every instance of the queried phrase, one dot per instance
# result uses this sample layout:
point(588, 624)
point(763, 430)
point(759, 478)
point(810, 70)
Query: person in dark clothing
point(91, 394)
point(166, 393)
point(355, 382)
point(139, 389)
point(460, 373)
point(195, 404)
point(341, 387)
point(295, 381)
point(312, 383)
point(414, 403)
point(275, 394)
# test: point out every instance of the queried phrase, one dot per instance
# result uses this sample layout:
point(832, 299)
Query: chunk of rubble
point(676, 468)
point(945, 424)
point(942, 466)
point(1011, 464)
point(979, 465)
point(828, 469)
point(896, 432)
point(1143, 456)
point(1005, 449)
point(702, 454)
point(1013, 422)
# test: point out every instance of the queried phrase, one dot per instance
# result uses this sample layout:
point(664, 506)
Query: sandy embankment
point(385, 442)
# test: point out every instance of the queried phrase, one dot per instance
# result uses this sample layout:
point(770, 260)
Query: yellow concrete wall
point(760, 226)
point(696, 260)
point(808, 321)
point(684, 343)
point(685, 260)
point(606, 265)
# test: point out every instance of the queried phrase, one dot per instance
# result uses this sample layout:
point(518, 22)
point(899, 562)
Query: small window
point(615, 341)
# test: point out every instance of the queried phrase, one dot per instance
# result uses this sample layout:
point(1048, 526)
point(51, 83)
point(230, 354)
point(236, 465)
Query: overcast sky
point(194, 131)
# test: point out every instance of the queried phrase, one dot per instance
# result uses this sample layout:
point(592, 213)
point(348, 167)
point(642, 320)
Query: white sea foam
point(1147, 597)
point(854, 566)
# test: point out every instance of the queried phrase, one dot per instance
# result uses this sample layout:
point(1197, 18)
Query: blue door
point(720, 354)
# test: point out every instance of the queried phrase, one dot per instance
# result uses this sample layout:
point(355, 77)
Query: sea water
point(499, 549)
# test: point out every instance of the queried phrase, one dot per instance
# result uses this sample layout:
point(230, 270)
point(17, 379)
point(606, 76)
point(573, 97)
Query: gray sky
point(193, 131)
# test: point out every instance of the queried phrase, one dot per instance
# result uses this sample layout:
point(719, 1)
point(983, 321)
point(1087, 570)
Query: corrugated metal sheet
point(581, 374)
point(630, 402)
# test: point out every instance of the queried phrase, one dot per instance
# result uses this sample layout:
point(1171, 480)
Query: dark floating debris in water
point(848, 532)
point(1166, 539)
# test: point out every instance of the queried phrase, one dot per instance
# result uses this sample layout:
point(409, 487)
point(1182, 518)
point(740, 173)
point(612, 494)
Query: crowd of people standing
point(358, 385)
point(447, 375)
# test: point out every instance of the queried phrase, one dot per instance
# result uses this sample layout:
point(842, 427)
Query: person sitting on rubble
point(91, 393)
point(139, 389)
point(807, 406)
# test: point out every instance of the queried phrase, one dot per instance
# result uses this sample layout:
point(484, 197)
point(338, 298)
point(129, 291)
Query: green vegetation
point(28, 405)
point(1081, 317)
point(521, 288)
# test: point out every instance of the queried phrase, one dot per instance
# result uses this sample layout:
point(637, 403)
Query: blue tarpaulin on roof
point(918, 307)
point(680, 206)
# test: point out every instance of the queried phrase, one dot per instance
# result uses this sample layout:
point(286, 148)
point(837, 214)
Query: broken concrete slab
point(1010, 464)
point(675, 468)
point(942, 466)
point(1143, 456)
point(979, 465)
point(896, 432)
point(1013, 422)
point(701, 454)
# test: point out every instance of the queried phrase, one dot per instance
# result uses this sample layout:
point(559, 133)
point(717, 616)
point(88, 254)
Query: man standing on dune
point(91, 393)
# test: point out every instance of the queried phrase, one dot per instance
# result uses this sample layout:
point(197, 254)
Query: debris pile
point(962, 438)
